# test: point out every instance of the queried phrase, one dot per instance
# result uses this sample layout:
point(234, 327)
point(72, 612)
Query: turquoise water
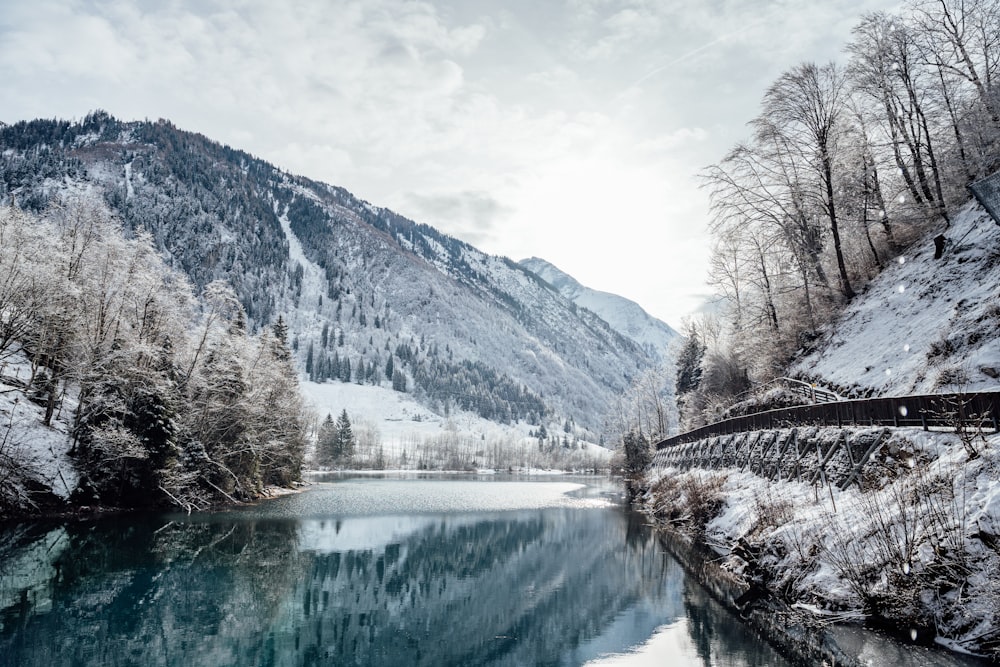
point(366, 571)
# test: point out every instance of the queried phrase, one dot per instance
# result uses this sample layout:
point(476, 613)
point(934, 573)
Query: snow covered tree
point(805, 109)
point(398, 381)
point(637, 454)
point(326, 442)
point(689, 363)
point(344, 447)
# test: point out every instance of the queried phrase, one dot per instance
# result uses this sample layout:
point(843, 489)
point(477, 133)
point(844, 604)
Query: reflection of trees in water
point(134, 592)
point(514, 589)
point(720, 638)
point(505, 589)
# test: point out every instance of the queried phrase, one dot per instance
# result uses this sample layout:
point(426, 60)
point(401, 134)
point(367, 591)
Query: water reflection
point(561, 584)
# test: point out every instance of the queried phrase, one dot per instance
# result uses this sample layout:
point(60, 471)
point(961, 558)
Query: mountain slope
point(624, 315)
point(924, 325)
point(370, 297)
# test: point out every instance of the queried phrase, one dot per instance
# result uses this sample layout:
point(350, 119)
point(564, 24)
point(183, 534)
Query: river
point(366, 571)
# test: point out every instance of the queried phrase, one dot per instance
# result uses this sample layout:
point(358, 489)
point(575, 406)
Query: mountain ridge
point(370, 296)
point(624, 315)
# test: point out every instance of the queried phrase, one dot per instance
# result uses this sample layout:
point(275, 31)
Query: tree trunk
point(845, 281)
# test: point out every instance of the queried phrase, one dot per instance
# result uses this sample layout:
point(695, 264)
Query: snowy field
point(404, 429)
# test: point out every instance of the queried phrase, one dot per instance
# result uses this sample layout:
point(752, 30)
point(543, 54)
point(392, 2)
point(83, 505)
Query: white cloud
point(568, 131)
point(669, 141)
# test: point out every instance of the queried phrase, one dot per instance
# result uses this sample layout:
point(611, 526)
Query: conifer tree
point(689, 364)
point(345, 438)
point(326, 441)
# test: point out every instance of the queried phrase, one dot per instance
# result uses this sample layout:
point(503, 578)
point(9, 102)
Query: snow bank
point(30, 452)
point(919, 549)
point(924, 325)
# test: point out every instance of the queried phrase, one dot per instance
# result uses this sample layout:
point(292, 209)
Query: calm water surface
point(366, 572)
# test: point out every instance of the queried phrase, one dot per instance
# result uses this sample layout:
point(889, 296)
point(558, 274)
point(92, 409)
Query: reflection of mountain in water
point(523, 588)
point(544, 586)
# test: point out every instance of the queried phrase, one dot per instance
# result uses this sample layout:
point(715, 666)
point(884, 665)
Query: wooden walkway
point(980, 409)
point(791, 443)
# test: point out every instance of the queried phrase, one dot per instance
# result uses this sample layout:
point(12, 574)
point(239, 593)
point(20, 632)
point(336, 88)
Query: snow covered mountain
point(370, 297)
point(625, 316)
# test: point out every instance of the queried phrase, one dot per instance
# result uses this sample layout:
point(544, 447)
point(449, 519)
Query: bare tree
point(805, 108)
point(885, 66)
point(962, 38)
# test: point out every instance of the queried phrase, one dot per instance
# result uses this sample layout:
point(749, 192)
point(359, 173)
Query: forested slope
point(848, 168)
point(118, 387)
point(369, 296)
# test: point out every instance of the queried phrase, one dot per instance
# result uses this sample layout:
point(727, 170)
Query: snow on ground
point(923, 325)
point(395, 419)
point(926, 545)
point(314, 281)
point(398, 423)
point(23, 437)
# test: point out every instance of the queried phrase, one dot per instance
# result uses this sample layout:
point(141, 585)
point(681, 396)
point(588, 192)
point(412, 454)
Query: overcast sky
point(571, 130)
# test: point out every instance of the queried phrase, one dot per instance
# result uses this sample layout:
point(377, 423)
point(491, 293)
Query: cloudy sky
point(571, 130)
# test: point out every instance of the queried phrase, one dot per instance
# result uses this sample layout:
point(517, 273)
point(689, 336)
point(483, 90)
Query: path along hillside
point(913, 543)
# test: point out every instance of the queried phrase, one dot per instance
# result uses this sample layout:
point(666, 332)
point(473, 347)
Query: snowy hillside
point(923, 325)
point(42, 450)
point(625, 316)
point(370, 298)
point(405, 434)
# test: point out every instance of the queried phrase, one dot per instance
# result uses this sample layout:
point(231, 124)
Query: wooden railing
point(807, 391)
point(977, 409)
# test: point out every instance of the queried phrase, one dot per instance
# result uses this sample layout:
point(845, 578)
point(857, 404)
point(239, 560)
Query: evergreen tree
point(326, 441)
point(689, 364)
point(398, 381)
point(344, 448)
point(280, 330)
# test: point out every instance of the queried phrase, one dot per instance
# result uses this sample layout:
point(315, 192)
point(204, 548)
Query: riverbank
point(799, 636)
point(915, 551)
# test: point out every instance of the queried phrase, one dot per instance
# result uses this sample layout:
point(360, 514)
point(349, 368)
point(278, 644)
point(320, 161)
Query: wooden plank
point(864, 459)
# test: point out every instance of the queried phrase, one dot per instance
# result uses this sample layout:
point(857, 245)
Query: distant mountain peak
point(623, 315)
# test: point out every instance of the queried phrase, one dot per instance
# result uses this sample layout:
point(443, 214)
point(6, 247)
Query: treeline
point(422, 368)
point(845, 165)
point(475, 387)
point(431, 375)
point(200, 201)
point(169, 399)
